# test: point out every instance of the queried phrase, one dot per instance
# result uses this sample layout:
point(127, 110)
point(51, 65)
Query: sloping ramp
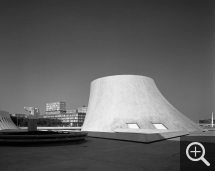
point(6, 122)
point(145, 136)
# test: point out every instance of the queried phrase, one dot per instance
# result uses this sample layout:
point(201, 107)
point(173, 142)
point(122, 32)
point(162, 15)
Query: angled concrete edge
point(6, 122)
point(144, 131)
point(137, 137)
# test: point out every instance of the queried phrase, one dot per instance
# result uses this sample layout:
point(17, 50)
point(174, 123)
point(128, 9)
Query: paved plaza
point(92, 154)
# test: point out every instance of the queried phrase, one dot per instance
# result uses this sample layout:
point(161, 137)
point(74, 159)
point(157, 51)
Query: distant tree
point(23, 122)
point(43, 122)
point(18, 121)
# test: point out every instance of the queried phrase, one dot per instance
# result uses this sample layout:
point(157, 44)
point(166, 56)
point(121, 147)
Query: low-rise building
point(56, 107)
point(82, 109)
point(74, 117)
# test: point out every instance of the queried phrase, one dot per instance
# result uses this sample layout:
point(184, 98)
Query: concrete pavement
point(92, 154)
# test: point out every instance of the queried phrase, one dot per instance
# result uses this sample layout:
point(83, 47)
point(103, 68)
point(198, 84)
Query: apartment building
point(74, 117)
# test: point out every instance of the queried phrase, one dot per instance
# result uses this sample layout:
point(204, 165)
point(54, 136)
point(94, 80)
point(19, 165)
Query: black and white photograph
point(99, 85)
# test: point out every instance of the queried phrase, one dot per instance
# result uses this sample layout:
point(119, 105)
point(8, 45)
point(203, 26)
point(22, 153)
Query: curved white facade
point(6, 122)
point(117, 101)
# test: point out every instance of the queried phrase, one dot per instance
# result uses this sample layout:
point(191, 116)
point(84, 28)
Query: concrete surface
point(6, 122)
point(93, 154)
point(39, 137)
point(137, 136)
point(146, 131)
point(116, 101)
point(97, 154)
point(32, 124)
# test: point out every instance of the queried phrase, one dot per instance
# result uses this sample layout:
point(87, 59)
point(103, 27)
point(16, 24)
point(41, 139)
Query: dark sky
point(52, 50)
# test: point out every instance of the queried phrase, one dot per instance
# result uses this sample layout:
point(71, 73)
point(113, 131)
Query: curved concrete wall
point(6, 122)
point(116, 101)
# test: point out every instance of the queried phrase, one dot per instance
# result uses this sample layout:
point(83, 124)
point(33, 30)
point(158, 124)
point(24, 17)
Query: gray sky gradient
point(52, 50)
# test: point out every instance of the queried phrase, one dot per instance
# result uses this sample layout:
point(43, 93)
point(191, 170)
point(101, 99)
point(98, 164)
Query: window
point(159, 126)
point(133, 126)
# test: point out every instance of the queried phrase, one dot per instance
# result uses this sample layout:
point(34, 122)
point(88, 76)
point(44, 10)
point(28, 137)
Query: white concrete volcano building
point(131, 103)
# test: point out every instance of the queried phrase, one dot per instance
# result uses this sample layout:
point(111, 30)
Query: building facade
point(82, 109)
point(56, 108)
point(74, 117)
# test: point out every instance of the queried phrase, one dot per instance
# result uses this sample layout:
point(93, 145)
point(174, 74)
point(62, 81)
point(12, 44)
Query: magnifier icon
point(197, 144)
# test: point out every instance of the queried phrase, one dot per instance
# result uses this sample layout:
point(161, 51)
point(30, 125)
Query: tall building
point(56, 107)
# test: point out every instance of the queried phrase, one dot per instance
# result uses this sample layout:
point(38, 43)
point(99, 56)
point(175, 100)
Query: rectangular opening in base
point(159, 126)
point(133, 126)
